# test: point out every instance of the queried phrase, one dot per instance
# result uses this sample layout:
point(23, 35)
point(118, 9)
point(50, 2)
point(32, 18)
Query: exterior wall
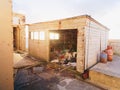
point(19, 23)
point(39, 49)
point(18, 19)
point(81, 50)
point(96, 41)
point(116, 46)
point(107, 81)
point(22, 38)
point(42, 50)
point(6, 46)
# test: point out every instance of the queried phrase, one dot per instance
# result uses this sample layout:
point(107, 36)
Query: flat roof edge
point(74, 17)
point(81, 16)
point(89, 17)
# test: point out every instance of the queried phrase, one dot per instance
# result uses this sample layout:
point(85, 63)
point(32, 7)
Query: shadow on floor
point(26, 80)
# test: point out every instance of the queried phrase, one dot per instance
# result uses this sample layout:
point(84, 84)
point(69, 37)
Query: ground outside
point(30, 74)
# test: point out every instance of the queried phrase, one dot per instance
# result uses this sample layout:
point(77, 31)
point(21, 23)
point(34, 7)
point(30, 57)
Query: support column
point(80, 51)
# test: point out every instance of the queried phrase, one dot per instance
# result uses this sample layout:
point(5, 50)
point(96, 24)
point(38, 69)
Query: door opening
point(63, 45)
point(16, 38)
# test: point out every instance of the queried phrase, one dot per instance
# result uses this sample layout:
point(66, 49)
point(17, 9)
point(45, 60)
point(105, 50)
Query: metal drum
point(103, 57)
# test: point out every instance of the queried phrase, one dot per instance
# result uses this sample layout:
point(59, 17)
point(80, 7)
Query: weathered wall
point(116, 46)
point(42, 50)
point(19, 22)
point(96, 41)
point(80, 50)
point(22, 38)
point(18, 19)
point(110, 82)
point(91, 39)
point(6, 46)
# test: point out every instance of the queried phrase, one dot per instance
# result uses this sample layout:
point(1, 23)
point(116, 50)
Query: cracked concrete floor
point(25, 79)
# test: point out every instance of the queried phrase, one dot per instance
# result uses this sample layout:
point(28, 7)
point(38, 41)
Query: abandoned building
point(19, 32)
point(82, 36)
point(78, 39)
point(6, 46)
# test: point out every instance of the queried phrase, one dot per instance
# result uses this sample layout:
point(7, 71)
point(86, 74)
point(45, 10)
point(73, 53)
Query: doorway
point(16, 38)
point(63, 45)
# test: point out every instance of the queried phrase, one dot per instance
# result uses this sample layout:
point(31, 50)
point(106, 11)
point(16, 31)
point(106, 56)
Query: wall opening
point(26, 37)
point(63, 45)
point(16, 38)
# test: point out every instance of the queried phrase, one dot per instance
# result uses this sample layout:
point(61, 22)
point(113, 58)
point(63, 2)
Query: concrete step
point(107, 75)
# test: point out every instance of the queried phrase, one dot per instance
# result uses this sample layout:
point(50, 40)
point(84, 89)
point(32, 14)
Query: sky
point(107, 12)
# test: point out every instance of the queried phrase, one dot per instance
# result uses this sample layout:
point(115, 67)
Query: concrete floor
point(109, 68)
point(26, 80)
point(38, 79)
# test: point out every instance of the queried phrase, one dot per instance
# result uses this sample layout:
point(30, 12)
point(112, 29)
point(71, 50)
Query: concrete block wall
point(19, 23)
point(107, 81)
point(22, 38)
point(96, 36)
point(18, 19)
point(42, 50)
point(6, 45)
point(80, 50)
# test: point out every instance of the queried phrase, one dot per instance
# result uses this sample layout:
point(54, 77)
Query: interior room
point(63, 45)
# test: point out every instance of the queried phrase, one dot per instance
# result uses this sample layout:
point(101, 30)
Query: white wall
point(96, 41)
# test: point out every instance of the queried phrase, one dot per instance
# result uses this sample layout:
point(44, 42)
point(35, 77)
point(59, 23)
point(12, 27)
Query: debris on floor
point(38, 69)
point(63, 56)
point(55, 61)
point(25, 62)
point(25, 79)
point(31, 74)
